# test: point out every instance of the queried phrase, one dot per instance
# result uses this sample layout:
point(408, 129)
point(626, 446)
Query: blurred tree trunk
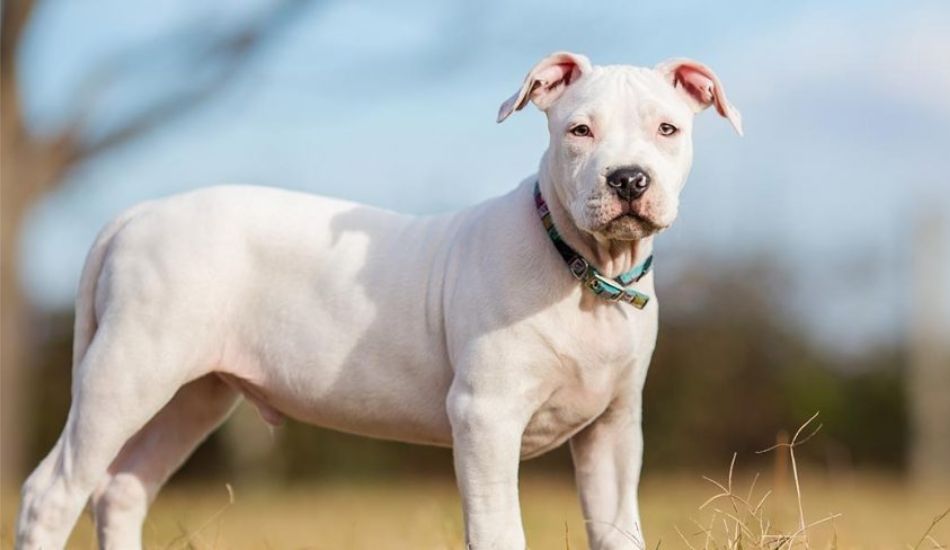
point(930, 352)
point(21, 177)
point(32, 166)
point(28, 169)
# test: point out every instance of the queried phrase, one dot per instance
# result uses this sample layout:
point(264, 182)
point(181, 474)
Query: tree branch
point(232, 51)
point(229, 52)
point(13, 20)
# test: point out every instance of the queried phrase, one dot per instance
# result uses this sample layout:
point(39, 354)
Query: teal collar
point(616, 289)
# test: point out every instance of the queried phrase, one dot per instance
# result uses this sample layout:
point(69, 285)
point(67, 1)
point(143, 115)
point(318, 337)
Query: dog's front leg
point(607, 456)
point(486, 435)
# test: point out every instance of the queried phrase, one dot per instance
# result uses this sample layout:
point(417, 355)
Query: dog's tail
point(86, 320)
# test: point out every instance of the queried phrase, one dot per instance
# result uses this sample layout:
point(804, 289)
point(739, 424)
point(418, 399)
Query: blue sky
point(846, 109)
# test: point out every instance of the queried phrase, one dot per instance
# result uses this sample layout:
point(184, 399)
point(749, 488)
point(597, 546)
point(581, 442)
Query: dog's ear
point(700, 87)
point(546, 82)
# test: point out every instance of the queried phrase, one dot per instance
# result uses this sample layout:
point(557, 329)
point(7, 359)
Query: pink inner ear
point(546, 82)
point(696, 84)
point(558, 72)
point(550, 81)
point(701, 88)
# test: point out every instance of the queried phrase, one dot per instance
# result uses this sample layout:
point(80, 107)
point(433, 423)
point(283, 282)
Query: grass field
point(876, 512)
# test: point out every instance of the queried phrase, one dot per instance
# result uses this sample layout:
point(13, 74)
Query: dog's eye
point(581, 130)
point(667, 129)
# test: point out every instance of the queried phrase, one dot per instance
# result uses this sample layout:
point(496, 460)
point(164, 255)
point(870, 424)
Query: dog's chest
point(562, 415)
point(591, 366)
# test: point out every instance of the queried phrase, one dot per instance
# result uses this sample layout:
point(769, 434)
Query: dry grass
point(800, 510)
point(877, 512)
point(744, 519)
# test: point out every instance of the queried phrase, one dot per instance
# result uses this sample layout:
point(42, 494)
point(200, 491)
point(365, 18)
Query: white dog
point(502, 330)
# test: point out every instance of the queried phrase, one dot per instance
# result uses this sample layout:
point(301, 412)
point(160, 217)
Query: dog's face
point(620, 138)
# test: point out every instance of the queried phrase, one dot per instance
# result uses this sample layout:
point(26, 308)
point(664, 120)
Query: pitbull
point(502, 331)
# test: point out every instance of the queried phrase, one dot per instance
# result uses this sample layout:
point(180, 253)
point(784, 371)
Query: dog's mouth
point(635, 212)
point(629, 226)
point(617, 219)
point(631, 215)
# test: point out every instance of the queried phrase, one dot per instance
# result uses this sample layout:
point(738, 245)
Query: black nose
point(629, 183)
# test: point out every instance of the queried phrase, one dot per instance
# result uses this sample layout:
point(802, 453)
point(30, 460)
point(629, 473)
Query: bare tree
point(929, 380)
point(34, 165)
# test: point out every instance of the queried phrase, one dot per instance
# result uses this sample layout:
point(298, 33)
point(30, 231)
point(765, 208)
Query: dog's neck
point(610, 257)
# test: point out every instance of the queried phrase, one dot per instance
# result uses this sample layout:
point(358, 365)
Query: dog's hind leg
point(121, 501)
point(129, 373)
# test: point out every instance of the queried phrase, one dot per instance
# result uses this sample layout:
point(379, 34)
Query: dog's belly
point(406, 403)
point(422, 419)
point(410, 409)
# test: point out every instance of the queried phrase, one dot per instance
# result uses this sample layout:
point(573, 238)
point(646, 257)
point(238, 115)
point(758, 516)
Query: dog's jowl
point(503, 330)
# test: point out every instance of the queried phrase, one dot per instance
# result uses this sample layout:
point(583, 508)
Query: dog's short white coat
point(463, 330)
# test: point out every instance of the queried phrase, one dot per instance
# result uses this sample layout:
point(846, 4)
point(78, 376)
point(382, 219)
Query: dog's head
point(620, 137)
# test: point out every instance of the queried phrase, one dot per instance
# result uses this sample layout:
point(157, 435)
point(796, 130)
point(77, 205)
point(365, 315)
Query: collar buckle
point(579, 267)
